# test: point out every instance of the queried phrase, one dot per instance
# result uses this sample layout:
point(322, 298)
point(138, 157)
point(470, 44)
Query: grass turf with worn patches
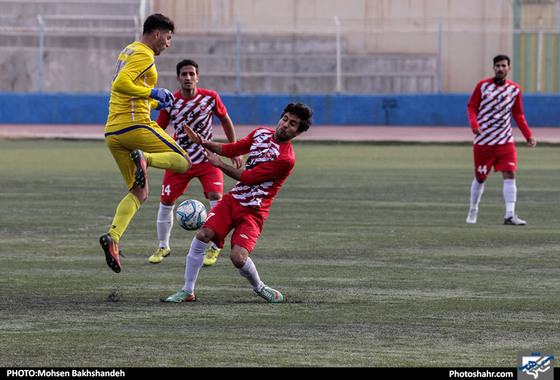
point(367, 242)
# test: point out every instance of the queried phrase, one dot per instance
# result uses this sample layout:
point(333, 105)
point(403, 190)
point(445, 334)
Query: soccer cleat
point(158, 256)
point(181, 296)
point(270, 294)
point(471, 218)
point(141, 174)
point(111, 249)
point(211, 255)
point(514, 221)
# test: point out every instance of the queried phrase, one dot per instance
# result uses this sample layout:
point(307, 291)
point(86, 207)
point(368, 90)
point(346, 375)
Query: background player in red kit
point(492, 104)
point(196, 107)
point(245, 208)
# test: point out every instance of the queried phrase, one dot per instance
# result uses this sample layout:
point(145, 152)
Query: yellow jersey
point(134, 77)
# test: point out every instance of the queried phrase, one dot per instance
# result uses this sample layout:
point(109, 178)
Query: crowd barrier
point(265, 109)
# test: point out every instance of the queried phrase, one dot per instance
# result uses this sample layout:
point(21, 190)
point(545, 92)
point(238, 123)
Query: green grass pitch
point(367, 242)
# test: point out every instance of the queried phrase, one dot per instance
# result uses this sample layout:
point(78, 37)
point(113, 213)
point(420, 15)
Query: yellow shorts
point(148, 138)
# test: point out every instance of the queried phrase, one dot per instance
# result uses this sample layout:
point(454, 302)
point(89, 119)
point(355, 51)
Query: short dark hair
point(159, 22)
point(501, 57)
point(187, 62)
point(303, 111)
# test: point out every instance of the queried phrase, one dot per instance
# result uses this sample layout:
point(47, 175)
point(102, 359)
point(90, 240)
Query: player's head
point(157, 32)
point(501, 68)
point(187, 76)
point(303, 112)
point(159, 22)
point(295, 120)
point(501, 57)
point(187, 62)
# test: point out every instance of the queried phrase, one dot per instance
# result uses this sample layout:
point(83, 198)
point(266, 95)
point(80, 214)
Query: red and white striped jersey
point(198, 113)
point(491, 107)
point(268, 165)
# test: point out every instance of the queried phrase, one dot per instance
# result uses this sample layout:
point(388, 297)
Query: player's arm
point(163, 119)
point(132, 69)
point(229, 130)
point(237, 148)
point(198, 139)
point(472, 110)
point(228, 170)
point(519, 117)
point(266, 171)
point(123, 83)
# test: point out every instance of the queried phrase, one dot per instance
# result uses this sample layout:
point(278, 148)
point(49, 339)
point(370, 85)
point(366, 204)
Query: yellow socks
point(129, 205)
point(167, 160)
point(125, 211)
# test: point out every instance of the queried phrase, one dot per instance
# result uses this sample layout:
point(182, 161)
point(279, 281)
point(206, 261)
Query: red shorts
point(174, 184)
point(228, 215)
point(501, 157)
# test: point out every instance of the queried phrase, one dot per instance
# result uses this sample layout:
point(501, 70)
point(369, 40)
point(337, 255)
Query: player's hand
point(162, 95)
point(161, 106)
point(532, 142)
point(213, 159)
point(195, 137)
point(237, 161)
point(477, 131)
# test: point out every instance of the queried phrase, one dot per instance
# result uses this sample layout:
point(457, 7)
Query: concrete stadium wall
point(289, 46)
point(248, 109)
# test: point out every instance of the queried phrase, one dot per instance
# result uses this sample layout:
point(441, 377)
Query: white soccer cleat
point(471, 218)
point(514, 221)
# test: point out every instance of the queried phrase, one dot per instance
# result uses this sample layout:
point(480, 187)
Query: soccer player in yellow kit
point(135, 141)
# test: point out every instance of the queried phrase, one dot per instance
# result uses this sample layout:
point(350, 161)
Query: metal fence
point(537, 45)
point(404, 54)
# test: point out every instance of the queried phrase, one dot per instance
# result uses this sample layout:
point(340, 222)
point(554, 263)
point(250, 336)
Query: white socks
point(197, 250)
point(510, 196)
point(509, 191)
point(476, 193)
point(164, 224)
point(249, 271)
point(195, 259)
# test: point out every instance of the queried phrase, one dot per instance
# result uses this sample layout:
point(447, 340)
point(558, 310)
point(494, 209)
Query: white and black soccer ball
point(191, 215)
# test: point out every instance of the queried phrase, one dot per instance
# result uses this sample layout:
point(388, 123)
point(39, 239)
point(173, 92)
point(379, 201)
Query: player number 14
point(165, 190)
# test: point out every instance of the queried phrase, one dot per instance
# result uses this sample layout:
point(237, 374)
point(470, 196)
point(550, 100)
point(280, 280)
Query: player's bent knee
point(238, 256)
point(205, 234)
point(140, 194)
point(142, 198)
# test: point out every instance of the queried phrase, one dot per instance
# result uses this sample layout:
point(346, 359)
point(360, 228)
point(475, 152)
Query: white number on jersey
point(165, 190)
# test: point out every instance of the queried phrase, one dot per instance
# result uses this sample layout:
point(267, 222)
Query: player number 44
point(482, 169)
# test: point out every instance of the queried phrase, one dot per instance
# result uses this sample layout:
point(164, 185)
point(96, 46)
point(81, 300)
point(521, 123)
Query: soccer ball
point(191, 215)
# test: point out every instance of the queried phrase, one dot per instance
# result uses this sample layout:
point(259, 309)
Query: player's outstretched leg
point(111, 249)
point(269, 294)
point(141, 175)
